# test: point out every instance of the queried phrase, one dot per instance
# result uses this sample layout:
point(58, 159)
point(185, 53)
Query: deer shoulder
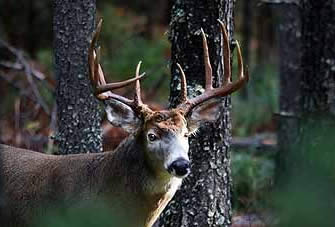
point(142, 174)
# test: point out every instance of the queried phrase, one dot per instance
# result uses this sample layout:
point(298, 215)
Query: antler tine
point(92, 55)
point(183, 96)
point(228, 86)
point(137, 97)
point(102, 90)
point(240, 63)
point(208, 67)
point(98, 73)
point(226, 53)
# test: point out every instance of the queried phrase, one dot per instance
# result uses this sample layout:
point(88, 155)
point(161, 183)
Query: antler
point(103, 90)
point(228, 86)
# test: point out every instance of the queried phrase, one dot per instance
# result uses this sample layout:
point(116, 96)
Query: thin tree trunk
point(3, 213)
point(3, 216)
point(247, 34)
point(290, 76)
point(318, 56)
point(205, 196)
point(78, 112)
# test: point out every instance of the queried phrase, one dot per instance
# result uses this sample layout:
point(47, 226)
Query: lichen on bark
point(78, 111)
point(205, 196)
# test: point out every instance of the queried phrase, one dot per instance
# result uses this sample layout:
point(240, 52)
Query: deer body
point(32, 179)
point(139, 178)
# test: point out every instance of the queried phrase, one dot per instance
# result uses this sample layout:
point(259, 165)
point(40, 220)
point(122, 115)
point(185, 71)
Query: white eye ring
point(152, 137)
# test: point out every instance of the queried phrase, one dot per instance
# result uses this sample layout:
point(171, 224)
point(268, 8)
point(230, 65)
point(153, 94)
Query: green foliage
point(252, 179)
point(263, 91)
point(123, 47)
point(44, 56)
point(7, 103)
point(305, 195)
point(93, 215)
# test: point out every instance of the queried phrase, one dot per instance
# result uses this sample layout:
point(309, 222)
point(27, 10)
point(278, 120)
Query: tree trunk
point(307, 72)
point(290, 76)
point(205, 196)
point(78, 112)
point(3, 214)
point(24, 30)
point(318, 52)
point(247, 19)
point(306, 158)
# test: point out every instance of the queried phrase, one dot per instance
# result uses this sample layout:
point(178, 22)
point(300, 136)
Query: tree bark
point(205, 196)
point(78, 112)
point(290, 76)
point(3, 213)
point(306, 137)
point(318, 51)
point(307, 74)
point(247, 20)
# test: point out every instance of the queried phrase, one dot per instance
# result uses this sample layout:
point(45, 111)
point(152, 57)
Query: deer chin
point(174, 174)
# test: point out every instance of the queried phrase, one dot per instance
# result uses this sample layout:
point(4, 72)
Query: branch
point(17, 66)
point(296, 2)
point(18, 87)
point(52, 129)
point(261, 143)
point(28, 71)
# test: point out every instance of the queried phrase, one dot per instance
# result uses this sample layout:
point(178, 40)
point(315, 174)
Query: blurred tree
point(290, 76)
point(307, 107)
point(307, 70)
point(3, 215)
point(78, 112)
point(205, 196)
point(317, 62)
point(156, 13)
point(264, 34)
point(247, 21)
point(22, 21)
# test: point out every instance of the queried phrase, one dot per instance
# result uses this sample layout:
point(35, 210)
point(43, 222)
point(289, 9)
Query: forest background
point(139, 30)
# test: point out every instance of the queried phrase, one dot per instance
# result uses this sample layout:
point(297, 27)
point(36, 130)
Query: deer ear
point(207, 111)
point(121, 115)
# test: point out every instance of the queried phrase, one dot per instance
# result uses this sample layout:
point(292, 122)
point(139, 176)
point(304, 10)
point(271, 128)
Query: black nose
point(180, 167)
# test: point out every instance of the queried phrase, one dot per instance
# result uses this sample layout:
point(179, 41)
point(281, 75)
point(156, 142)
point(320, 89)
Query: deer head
point(164, 133)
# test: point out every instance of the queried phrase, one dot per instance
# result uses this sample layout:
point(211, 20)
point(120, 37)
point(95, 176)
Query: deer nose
point(180, 167)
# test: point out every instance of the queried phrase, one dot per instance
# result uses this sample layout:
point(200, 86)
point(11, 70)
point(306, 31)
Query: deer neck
point(151, 189)
point(130, 162)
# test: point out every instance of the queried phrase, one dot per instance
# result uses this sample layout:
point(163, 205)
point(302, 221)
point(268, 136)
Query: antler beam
point(103, 90)
point(228, 86)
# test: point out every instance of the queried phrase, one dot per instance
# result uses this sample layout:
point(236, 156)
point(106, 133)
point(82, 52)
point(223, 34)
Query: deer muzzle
point(180, 168)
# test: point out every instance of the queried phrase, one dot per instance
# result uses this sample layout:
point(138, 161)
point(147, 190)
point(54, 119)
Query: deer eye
point(159, 118)
point(152, 137)
point(186, 135)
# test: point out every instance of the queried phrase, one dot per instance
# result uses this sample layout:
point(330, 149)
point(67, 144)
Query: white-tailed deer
point(142, 174)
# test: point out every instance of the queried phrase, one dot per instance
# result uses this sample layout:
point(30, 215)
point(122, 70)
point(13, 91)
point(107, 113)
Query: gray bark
point(3, 213)
point(318, 56)
point(307, 101)
point(290, 76)
point(307, 123)
point(205, 196)
point(78, 112)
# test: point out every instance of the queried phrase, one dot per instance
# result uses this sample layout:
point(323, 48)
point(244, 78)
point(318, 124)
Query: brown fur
point(123, 177)
point(166, 120)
